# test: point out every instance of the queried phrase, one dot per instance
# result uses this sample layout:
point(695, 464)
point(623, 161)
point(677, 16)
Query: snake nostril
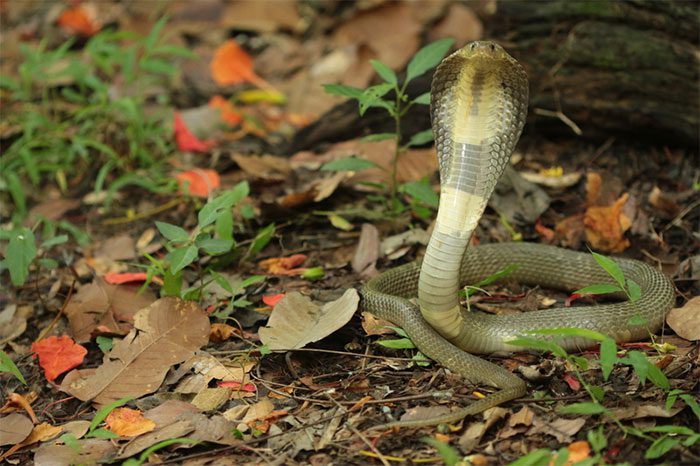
point(472, 46)
point(493, 47)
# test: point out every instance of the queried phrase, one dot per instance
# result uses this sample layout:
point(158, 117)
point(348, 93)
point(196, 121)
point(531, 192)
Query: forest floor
point(178, 286)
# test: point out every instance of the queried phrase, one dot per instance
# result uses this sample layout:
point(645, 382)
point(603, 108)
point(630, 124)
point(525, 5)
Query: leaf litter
point(246, 395)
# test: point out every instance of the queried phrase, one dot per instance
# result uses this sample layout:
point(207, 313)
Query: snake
point(478, 107)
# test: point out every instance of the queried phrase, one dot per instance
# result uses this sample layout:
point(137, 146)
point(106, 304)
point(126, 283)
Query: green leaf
point(597, 439)
point(423, 99)
point(583, 408)
point(634, 290)
point(608, 356)
point(344, 91)
point(421, 191)
point(402, 343)
point(181, 257)
point(637, 321)
point(144, 456)
point(490, 279)
point(103, 412)
point(215, 246)
point(212, 209)
point(261, 240)
point(173, 233)
point(314, 273)
point(104, 343)
point(450, 456)
point(660, 447)
point(596, 392)
point(7, 365)
point(378, 137)
point(350, 164)
point(399, 331)
point(427, 58)
point(372, 97)
point(680, 430)
point(340, 222)
point(692, 403)
point(538, 457)
point(602, 288)
point(54, 241)
point(611, 267)
point(421, 138)
point(384, 71)
point(542, 345)
point(102, 434)
point(19, 255)
point(224, 225)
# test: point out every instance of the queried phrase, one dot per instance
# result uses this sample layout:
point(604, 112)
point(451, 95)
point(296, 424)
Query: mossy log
point(598, 69)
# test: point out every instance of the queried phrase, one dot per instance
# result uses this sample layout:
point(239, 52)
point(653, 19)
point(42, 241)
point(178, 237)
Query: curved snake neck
point(478, 108)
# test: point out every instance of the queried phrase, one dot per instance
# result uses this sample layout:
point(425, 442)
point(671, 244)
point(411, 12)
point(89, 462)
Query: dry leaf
point(297, 321)
point(685, 321)
point(420, 413)
point(14, 428)
point(58, 354)
point(606, 226)
point(229, 114)
point(232, 65)
point(127, 422)
point(206, 368)
point(13, 322)
point(578, 451)
point(266, 167)
point(562, 429)
point(186, 141)
point(199, 181)
point(367, 252)
point(210, 399)
point(165, 333)
point(99, 304)
point(553, 181)
point(375, 326)
point(459, 23)
point(476, 430)
point(87, 451)
point(254, 15)
point(523, 417)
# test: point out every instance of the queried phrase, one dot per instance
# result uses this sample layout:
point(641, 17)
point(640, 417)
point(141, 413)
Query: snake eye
point(493, 47)
point(472, 46)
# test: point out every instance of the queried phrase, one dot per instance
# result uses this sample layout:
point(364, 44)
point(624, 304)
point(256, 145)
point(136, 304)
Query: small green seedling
point(624, 285)
point(397, 107)
point(8, 366)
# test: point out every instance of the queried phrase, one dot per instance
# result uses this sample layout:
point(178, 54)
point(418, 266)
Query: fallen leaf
point(15, 401)
point(202, 368)
point(79, 21)
point(459, 23)
point(85, 451)
point(58, 355)
point(523, 417)
point(101, 305)
point(606, 226)
point(561, 429)
point(120, 247)
point(186, 141)
point(685, 321)
point(297, 321)
point(165, 333)
point(553, 180)
point(128, 277)
point(211, 398)
point(375, 326)
point(127, 422)
point(13, 322)
point(642, 411)
point(578, 451)
point(272, 299)
point(232, 65)
point(471, 437)
point(367, 252)
point(266, 167)
point(229, 114)
point(266, 17)
point(221, 332)
point(199, 182)
point(664, 202)
point(14, 428)
point(284, 265)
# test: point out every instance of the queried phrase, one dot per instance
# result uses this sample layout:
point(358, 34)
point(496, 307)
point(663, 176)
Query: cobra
point(478, 107)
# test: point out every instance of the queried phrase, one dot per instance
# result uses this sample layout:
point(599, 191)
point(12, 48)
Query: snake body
point(478, 107)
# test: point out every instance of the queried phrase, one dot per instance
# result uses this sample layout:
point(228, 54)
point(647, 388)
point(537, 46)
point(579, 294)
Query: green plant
point(212, 237)
point(396, 105)
point(76, 128)
point(624, 285)
point(22, 249)
point(8, 366)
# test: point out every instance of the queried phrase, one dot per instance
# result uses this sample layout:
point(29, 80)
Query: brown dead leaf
point(523, 417)
point(85, 451)
point(664, 202)
point(578, 451)
point(375, 326)
point(570, 231)
point(215, 429)
point(390, 31)
point(13, 322)
point(14, 428)
point(367, 252)
point(165, 333)
point(261, 16)
point(206, 368)
point(562, 429)
point(476, 430)
point(459, 23)
point(685, 321)
point(121, 247)
point(297, 321)
point(266, 167)
point(99, 304)
point(127, 422)
point(606, 226)
point(642, 411)
point(210, 399)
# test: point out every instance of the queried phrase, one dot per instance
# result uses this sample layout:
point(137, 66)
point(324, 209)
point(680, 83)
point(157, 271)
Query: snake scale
point(478, 106)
